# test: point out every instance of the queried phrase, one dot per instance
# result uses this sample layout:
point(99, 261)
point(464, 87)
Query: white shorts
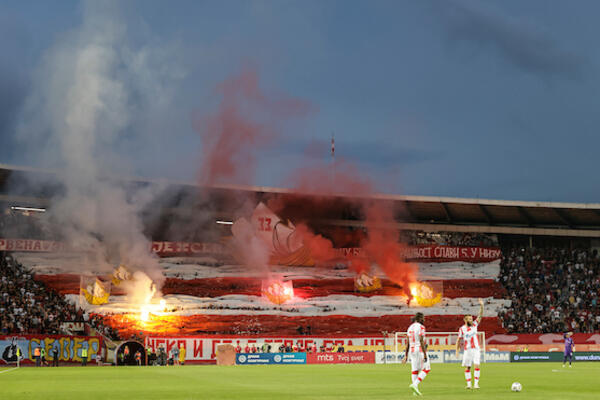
point(417, 363)
point(471, 356)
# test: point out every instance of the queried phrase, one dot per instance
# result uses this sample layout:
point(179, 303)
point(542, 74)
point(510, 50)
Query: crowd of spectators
point(449, 238)
point(96, 322)
point(28, 306)
point(552, 290)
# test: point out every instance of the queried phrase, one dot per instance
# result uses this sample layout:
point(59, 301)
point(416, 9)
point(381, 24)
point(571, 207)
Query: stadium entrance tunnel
point(125, 353)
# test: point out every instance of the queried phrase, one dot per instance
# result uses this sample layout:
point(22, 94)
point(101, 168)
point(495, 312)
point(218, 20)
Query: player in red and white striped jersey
point(417, 350)
point(467, 334)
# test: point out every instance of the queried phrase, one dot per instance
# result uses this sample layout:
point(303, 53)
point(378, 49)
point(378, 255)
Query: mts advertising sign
point(270, 358)
point(341, 358)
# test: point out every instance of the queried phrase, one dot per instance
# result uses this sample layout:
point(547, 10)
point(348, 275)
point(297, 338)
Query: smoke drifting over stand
point(90, 88)
point(249, 120)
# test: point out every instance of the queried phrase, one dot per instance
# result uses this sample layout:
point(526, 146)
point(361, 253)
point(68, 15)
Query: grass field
point(446, 381)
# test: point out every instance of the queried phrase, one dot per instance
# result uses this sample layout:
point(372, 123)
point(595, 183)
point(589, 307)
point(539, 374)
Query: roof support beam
point(526, 215)
point(487, 214)
point(447, 212)
point(563, 217)
point(409, 212)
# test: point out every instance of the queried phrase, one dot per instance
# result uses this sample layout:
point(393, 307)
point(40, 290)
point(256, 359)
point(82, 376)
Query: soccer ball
point(516, 387)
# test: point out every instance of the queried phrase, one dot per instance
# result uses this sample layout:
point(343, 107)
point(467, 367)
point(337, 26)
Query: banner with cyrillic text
point(418, 253)
point(69, 347)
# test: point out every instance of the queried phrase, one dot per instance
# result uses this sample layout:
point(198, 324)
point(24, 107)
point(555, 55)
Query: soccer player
point(416, 347)
point(471, 355)
point(569, 347)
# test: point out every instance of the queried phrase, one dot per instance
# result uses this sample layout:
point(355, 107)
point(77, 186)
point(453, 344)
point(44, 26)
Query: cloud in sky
point(521, 42)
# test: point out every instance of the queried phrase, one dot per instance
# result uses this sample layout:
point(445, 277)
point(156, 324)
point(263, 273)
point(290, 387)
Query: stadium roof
point(426, 213)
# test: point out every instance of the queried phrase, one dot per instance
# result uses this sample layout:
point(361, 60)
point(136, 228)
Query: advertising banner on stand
point(390, 357)
point(449, 356)
point(201, 349)
point(341, 358)
point(497, 356)
point(535, 356)
point(435, 357)
point(270, 358)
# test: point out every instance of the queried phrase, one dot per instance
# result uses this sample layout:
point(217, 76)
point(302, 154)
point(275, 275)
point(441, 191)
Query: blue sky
point(494, 99)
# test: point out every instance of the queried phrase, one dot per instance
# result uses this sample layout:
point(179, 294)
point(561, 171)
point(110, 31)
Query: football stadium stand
point(536, 265)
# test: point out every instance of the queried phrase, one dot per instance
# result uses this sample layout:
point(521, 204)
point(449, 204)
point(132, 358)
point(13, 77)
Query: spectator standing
point(43, 356)
point(175, 355)
point(55, 356)
point(19, 354)
point(182, 354)
point(37, 355)
point(84, 356)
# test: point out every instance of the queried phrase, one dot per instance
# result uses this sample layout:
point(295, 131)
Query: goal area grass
point(446, 381)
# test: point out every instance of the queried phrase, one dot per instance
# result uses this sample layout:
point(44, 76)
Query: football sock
point(415, 376)
point(422, 375)
point(476, 375)
point(468, 376)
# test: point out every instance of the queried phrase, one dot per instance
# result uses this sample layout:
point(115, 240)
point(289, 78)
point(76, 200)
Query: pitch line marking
point(8, 370)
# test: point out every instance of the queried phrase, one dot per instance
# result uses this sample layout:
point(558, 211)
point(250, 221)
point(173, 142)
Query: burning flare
point(278, 292)
point(424, 294)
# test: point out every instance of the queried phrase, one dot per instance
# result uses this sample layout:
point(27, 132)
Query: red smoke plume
point(321, 249)
point(383, 246)
point(341, 179)
point(247, 120)
point(381, 241)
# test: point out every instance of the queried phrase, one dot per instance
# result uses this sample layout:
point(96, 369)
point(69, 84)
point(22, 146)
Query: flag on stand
point(94, 291)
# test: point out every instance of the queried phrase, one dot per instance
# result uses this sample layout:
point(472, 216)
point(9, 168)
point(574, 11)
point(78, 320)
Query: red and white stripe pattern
point(227, 299)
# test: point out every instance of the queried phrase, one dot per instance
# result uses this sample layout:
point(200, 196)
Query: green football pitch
point(446, 381)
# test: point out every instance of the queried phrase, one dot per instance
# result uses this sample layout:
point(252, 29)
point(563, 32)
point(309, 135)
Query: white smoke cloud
point(91, 88)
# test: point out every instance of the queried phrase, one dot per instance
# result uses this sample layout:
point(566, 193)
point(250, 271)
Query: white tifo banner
point(396, 358)
point(202, 349)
